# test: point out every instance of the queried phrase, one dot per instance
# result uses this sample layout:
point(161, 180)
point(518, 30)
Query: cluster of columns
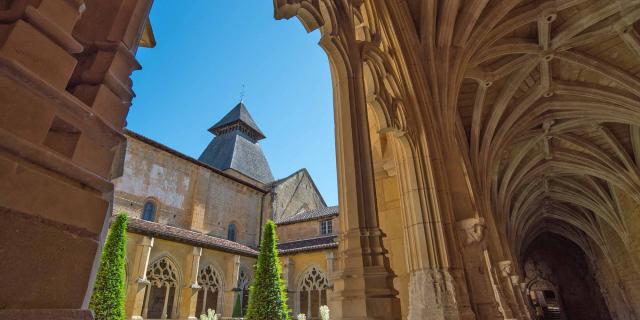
point(186, 294)
point(450, 277)
point(497, 290)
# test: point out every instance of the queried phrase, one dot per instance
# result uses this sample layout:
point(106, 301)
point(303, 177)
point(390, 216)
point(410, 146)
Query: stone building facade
point(200, 222)
point(471, 136)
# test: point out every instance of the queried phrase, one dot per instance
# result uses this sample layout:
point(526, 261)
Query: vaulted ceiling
point(544, 96)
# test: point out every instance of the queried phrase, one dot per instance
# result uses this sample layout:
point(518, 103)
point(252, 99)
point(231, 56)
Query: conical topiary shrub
point(267, 295)
point(237, 307)
point(107, 301)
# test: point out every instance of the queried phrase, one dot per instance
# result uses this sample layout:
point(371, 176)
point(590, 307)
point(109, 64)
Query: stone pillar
point(231, 274)
point(138, 281)
point(521, 300)
point(477, 265)
point(331, 260)
point(363, 280)
point(199, 200)
point(504, 310)
point(190, 290)
point(53, 144)
point(288, 276)
point(505, 271)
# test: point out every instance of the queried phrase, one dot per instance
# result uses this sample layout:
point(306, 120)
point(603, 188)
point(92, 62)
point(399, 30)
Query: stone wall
point(187, 194)
point(304, 230)
point(294, 194)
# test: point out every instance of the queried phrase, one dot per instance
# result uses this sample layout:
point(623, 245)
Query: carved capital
point(472, 230)
point(505, 267)
point(515, 280)
point(143, 281)
point(523, 286)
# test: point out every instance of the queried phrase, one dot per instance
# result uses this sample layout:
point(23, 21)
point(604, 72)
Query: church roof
point(309, 244)
point(182, 235)
point(310, 215)
point(236, 146)
point(238, 115)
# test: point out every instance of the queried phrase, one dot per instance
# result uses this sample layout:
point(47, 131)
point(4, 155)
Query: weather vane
point(242, 94)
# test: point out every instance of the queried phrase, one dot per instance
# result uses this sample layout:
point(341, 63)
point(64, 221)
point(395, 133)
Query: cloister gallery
point(488, 157)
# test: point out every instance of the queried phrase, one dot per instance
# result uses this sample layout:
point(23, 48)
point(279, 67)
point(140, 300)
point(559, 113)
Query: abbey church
point(487, 154)
point(195, 225)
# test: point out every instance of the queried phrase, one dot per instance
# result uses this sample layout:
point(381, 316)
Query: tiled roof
point(319, 243)
point(181, 235)
point(166, 232)
point(310, 215)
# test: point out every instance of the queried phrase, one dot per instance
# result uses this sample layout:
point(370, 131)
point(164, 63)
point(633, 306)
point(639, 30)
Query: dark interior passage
point(560, 282)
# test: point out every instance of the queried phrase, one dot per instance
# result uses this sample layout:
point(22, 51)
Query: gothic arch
point(312, 286)
point(211, 293)
point(163, 291)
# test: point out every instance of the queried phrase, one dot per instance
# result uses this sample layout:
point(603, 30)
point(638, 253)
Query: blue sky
point(205, 52)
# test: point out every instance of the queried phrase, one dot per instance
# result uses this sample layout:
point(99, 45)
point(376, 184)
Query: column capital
point(472, 230)
point(147, 241)
point(505, 267)
point(196, 251)
point(515, 279)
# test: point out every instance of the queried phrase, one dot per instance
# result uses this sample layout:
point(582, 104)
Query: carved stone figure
point(472, 230)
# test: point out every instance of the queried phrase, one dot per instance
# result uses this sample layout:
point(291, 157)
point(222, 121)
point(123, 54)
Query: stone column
point(477, 265)
point(288, 276)
point(521, 300)
point(52, 144)
point(505, 271)
point(363, 280)
point(190, 290)
point(331, 260)
point(138, 281)
point(231, 274)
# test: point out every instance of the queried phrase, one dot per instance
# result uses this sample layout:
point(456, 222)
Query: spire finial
point(242, 94)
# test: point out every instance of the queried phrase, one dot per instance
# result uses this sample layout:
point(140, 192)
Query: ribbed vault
point(548, 111)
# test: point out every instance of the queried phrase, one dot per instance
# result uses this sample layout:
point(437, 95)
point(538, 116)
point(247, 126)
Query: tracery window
point(210, 282)
point(313, 292)
point(231, 232)
point(160, 296)
point(149, 211)
point(243, 285)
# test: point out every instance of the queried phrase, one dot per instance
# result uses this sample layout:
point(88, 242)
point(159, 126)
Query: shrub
point(302, 316)
point(267, 295)
point(107, 301)
point(237, 307)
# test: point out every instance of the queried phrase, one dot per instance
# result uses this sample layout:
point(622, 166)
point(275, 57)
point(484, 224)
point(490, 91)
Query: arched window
point(149, 211)
point(160, 297)
point(312, 292)
point(231, 232)
point(243, 286)
point(209, 295)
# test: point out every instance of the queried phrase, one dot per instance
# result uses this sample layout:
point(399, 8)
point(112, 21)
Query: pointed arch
point(210, 295)
point(312, 291)
point(162, 292)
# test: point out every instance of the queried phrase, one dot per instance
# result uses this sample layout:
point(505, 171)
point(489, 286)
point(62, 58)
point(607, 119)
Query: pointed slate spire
point(236, 147)
point(239, 116)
